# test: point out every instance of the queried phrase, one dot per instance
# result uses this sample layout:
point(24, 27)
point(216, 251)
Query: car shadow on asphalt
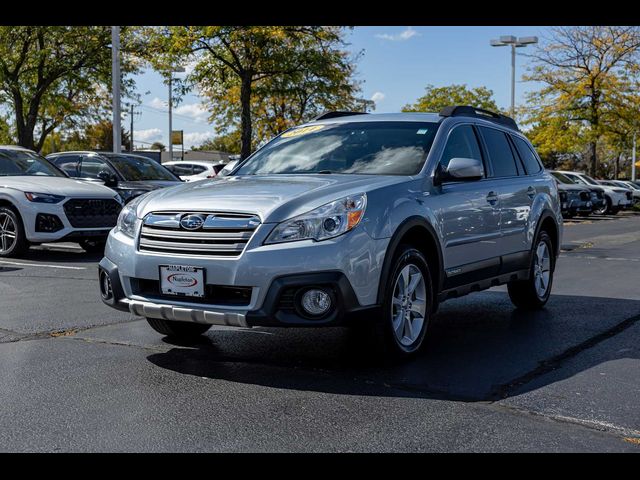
point(55, 254)
point(479, 349)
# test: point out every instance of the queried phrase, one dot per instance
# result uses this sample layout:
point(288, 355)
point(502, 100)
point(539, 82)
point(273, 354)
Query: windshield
point(588, 180)
point(134, 168)
point(375, 148)
point(562, 179)
point(25, 163)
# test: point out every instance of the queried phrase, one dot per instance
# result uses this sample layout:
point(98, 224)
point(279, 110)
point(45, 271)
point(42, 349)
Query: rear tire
point(533, 293)
point(400, 329)
point(13, 241)
point(184, 330)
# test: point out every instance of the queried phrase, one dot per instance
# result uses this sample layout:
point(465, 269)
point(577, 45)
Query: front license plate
point(182, 280)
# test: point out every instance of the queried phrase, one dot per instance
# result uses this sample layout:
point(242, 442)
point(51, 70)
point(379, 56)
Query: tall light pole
point(115, 85)
point(633, 159)
point(514, 42)
point(171, 72)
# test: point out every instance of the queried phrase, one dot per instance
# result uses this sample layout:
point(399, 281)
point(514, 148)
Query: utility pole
point(115, 84)
point(131, 130)
point(633, 159)
point(170, 118)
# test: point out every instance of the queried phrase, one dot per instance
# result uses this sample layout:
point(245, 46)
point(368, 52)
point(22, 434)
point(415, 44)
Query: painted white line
point(44, 265)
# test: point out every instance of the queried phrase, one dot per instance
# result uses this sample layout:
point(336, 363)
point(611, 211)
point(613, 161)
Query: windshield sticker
point(422, 131)
point(302, 131)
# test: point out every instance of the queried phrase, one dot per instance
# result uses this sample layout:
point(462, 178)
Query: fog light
point(316, 302)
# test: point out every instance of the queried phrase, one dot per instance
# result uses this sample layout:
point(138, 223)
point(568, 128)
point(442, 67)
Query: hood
point(147, 185)
point(273, 198)
point(572, 188)
point(67, 187)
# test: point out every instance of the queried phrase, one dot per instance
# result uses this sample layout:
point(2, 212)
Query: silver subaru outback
point(367, 219)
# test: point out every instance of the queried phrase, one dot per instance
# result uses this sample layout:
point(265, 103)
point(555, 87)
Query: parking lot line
point(65, 267)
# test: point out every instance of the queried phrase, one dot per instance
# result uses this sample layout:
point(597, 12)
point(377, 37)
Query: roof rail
point(468, 111)
point(327, 115)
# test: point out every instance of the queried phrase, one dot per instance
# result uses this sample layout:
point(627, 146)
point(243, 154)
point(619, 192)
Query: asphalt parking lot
point(78, 376)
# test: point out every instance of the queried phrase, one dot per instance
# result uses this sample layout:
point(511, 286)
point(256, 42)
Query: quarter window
point(91, 166)
point(531, 163)
point(500, 153)
point(462, 143)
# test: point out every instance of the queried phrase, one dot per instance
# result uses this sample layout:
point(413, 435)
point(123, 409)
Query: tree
point(229, 143)
point(96, 136)
point(6, 138)
point(587, 74)
point(55, 75)
point(158, 146)
point(231, 62)
point(436, 98)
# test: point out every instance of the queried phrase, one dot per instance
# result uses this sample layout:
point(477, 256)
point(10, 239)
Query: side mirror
point(109, 179)
point(463, 169)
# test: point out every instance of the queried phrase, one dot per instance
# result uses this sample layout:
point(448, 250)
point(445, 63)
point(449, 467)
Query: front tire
point(605, 208)
point(179, 330)
point(400, 330)
point(13, 240)
point(533, 293)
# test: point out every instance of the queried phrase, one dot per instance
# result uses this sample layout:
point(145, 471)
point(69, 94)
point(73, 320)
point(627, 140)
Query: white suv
point(38, 204)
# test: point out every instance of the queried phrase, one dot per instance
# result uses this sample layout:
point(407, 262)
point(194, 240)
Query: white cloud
point(157, 103)
point(149, 135)
point(192, 110)
point(406, 34)
point(195, 139)
point(377, 97)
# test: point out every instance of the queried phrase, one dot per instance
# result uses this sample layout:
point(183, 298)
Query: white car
point(190, 171)
point(39, 204)
point(617, 198)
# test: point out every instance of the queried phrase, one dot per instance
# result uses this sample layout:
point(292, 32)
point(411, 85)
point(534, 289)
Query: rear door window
point(530, 160)
point(501, 156)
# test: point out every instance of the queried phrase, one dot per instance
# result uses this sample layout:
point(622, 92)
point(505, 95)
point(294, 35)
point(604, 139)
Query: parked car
point(635, 190)
point(616, 198)
point(228, 168)
point(38, 204)
point(190, 171)
point(128, 174)
point(574, 199)
point(365, 218)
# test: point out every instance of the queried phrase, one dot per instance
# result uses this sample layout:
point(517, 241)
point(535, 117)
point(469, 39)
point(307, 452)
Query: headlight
point(43, 197)
point(327, 221)
point(128, 218)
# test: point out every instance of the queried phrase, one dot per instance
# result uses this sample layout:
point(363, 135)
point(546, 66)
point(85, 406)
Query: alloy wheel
point(408, 306)
point(8, 232)
point(542, 269)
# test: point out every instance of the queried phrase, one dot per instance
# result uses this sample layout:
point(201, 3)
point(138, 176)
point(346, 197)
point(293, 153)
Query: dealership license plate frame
point(177, 291)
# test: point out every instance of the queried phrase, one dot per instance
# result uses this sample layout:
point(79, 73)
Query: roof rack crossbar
point(337, 114)
point(469, 111)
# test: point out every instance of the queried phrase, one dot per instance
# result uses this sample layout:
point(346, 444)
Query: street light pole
point(170, 118)
point(115, 85)
point(514, 43)
point(633, 159)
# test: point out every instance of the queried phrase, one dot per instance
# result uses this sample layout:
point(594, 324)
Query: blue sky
point(397, 64)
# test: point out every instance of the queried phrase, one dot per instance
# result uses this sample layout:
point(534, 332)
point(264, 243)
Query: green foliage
point(278, 74)
point(158, 146)
point(6, 138)
point(56, 76)
point(96, 136)
point(436, 98)
point(589, 90)
point(229, 143)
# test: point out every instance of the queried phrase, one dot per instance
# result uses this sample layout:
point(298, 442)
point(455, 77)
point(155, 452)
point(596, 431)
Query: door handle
point(531, 192)
point(492, 198)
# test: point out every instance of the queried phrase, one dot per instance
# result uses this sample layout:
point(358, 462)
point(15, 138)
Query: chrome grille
point(220, 233)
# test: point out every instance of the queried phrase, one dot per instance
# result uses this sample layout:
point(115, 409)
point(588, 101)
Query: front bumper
point(349, 265)
point(275, 311)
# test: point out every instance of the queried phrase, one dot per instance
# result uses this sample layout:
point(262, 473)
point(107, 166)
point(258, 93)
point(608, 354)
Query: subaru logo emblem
point(192, 222)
